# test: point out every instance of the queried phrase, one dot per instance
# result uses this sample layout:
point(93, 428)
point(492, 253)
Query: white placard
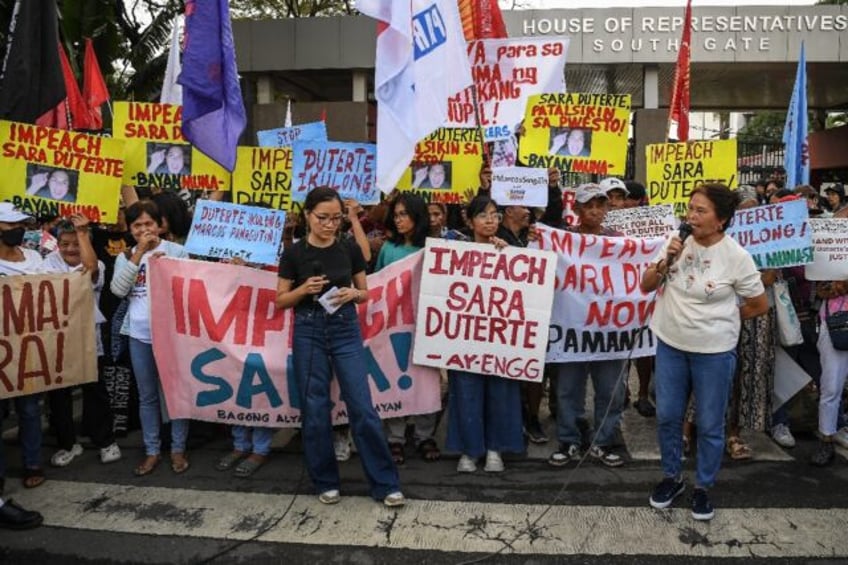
point(520, 186)
point(830, 250)
point(643, 221)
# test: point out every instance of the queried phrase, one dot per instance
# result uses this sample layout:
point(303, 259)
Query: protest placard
point(643, 221)
point(577, 133)
point(776, 235)
point(674, 170)
point(224, 350)
point(830, 250)
point(505, 73)
point(157, 155)
point(54, 172)
point(520, 186)
point(348, 168)
point(285, 137)
point(263, 176)
point(446, 165)
point(48, 333)
point(224, 231)
point(599, 311)
point(484, 310)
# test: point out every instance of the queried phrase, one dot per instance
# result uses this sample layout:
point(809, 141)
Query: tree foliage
point(259, 9)
point(763, 127)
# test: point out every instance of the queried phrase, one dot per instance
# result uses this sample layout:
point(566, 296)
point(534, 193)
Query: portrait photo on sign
point(52, 183)
point(431, 175)
point(168, 158)
point(570, 142)
point(504, 152)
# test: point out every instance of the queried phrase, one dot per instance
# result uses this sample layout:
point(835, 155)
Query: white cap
point(613, 183)
point(588, 191)
point(10, 214)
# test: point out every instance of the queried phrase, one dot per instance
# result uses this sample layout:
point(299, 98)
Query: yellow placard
point(577, 133)
point(674, 170)
point(158, 156)
point(446, 166)
point(55, 172)
point(263, 176)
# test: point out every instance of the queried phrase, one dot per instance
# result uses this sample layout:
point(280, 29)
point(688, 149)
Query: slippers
point(397, 453)
point(33, 478)
point(230, 460)
point(738, 449)
point(429, 451)
point(179, 463)
point(249, 466)
point(147, 466)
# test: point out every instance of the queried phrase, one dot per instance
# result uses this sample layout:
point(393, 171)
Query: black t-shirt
point(338, 262)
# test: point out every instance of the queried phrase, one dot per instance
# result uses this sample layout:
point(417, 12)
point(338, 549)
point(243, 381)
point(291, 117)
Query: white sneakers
point(110, 454)
point(494, 463)
point(392, 500)
point(63, 457)
point(782, 436)
point(330, 496)
point(466, 465)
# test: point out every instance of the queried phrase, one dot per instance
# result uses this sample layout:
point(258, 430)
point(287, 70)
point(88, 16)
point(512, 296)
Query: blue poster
point(285, 137)
point(776, 235)
point(349, 168)
point(224, 231)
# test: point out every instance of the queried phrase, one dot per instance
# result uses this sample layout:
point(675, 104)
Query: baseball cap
point(588, 191)
point(613, 183)
point(835, 187)
point(10, 214)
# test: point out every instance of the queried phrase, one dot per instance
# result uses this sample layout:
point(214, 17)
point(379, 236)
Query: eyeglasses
point(483, 216)
point(328, 220)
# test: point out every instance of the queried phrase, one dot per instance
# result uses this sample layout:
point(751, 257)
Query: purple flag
point(213, 109)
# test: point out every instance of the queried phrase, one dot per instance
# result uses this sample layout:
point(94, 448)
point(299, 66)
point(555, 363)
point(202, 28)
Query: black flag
point(31, 82)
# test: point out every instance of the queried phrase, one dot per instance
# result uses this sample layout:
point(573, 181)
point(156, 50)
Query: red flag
point(75, 103)
point(679, 107)
point(481, 19)
point(94, 89)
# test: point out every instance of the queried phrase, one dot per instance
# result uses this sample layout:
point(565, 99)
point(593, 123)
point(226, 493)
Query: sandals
point(230, 460)
point(738, 449)
point(249, 466)
point(429, 450)
point(179, 463)
point(147, 466)
point(397, 453)
point(33, 478)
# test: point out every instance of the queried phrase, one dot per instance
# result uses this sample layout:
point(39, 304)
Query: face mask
point(13, 237)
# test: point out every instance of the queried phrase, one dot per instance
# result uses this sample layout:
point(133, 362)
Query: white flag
point(421, 62)
point(172, 91)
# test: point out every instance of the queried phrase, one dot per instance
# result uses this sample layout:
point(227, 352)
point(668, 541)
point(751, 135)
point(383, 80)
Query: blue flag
point(796, 156)
point(213, 109)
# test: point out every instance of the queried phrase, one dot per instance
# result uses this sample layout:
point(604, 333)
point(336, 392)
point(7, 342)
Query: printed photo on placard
point(432, 175)
point(168, 158)
point(571, 142)
point(52, 183)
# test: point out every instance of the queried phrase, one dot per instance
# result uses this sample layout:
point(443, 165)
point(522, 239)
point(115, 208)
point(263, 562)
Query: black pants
point(96, 414)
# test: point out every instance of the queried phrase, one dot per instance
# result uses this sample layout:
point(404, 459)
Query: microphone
point(684, 232)
point(317, 271)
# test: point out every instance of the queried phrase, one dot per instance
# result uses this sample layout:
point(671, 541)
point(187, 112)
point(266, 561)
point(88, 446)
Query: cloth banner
point(674, 170)
point(54, 172)
point(287, 136)
point(484, 310)
point(776, 235)
point(224, 350)
point(520, 186)
point(599, 311)
point(577, 133)
point(48, 333)
point(224, 231)
point(830, 250)
point(643, 221)
point(157, 155)
point(263, 176)
point(445, 166)
point(506, 72)
point(349, 168)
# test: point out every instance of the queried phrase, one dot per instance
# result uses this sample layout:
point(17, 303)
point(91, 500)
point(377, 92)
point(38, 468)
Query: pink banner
point(224, 350)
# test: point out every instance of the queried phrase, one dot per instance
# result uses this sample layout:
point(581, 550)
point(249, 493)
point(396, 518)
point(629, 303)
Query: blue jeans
point(29, 426)
point(324, 343)
point(150, 401)
point(571, 399)
point(710, 377)
point(484, 414)
point(251, 439)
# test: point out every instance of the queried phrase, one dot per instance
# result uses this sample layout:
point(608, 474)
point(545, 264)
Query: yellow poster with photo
point(158, 156)
point(263, 176)
point(446, 166)
point(576, 133)
point(674, 170)
point(55, 172)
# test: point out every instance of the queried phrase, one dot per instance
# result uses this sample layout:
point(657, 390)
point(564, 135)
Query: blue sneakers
point(702, 508)
point(665, 492)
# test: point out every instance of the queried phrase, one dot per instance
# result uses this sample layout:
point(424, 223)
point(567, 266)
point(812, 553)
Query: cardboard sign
point(776, 235)
point(599, 311)
point(674, 170)
point(285, 137)
point(263, 176)
point(577, 133)
point(224, 350)
point(830, 250)
point(520, 186)
point(446, 165)
point(54, 172)
point(47, 341)
point(643, 221)
point(506, 72)
point(349, 168)
point(224, 231)
point(484, 310)
point(157, 155)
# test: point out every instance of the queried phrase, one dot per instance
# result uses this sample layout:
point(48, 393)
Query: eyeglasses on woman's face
point(326, 220)
point(489, 216)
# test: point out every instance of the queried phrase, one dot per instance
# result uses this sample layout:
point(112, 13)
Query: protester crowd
point(713, 371)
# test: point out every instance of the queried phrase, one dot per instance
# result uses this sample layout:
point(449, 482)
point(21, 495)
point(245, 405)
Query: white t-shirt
point(138, 312)
point(32, 264)
point(54, 263)
point(697, 309)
